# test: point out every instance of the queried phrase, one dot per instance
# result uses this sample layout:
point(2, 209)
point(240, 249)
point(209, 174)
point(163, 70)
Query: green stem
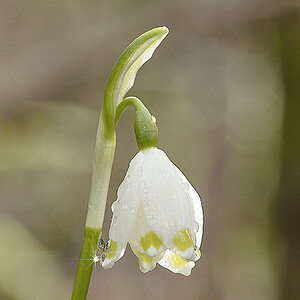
point(103, 160)
point(86, 263)
point(145, 129)
point(136, 102)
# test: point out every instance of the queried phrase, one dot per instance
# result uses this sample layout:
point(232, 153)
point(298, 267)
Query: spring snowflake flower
point(159, 213)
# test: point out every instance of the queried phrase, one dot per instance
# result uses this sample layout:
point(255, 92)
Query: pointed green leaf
point(123, 74)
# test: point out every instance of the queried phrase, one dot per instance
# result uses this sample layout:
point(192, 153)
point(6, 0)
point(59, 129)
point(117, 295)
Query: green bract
point(123, 74)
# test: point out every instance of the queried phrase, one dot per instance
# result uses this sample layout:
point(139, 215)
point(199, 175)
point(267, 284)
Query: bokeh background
point(225, 89)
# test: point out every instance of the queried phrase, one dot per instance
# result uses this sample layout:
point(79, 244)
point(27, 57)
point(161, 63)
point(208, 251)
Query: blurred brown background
point(224, 87)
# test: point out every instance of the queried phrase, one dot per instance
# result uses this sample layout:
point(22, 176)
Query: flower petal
point(176, 264)
point(124, 212)
point(167, 205)
point(146, 263)
point(143, 238)
point(194, 196)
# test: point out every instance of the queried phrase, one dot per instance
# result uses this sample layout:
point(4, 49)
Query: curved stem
point(145, 129)
point(136, 102)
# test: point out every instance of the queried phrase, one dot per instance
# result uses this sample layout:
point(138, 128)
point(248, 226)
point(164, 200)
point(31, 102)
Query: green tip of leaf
point(164, 30)
point(124, 72)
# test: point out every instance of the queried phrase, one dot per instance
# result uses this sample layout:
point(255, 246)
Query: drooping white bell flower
point(159, 213)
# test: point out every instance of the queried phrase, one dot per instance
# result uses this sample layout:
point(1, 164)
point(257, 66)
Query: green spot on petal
point(145, 258)
point(150, 239)
point(176, 260)
point(111, 252)
point(182, 240)
point(198, 253)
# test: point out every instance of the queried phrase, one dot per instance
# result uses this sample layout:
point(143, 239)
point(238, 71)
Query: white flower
point(159, 213)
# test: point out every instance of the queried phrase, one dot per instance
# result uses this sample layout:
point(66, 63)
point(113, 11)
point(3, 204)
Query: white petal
point(176, 264)
point(167, 205)
point(198, 212)
point(124, 212)
point(146, 263)
point(142, 238)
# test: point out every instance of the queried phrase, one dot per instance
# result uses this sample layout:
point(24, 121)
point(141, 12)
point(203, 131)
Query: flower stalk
point(145, 128)
point(120, 81)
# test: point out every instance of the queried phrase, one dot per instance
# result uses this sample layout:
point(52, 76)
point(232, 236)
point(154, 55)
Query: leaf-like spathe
point(124, 72)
